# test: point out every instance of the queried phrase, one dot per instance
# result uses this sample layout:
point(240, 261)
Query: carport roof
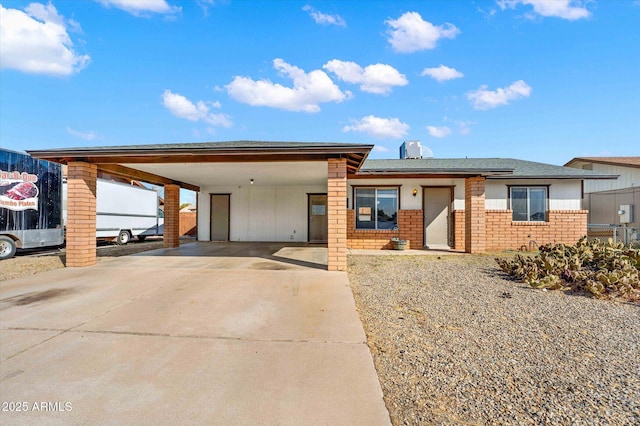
point(109, 159)
point(191, 152)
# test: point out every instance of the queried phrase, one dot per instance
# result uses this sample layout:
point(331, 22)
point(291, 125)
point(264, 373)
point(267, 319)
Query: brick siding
point(564, 226)
point(81, 214)
point(336, 214)
point(171, 216)
point(475, 228)
point(409, 228)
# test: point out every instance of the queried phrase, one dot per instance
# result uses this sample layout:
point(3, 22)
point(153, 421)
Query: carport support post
point(171, 216)
point(474, 215)
point(337, 214)
point(81, 214)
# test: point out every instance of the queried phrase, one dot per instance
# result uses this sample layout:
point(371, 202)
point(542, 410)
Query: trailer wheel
point(123, 238)
point(7, 247)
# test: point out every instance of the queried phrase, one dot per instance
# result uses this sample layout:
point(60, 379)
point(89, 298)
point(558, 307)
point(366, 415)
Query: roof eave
point(360, 149)
point(588, 160)
point(557, 177)
point(424, 172)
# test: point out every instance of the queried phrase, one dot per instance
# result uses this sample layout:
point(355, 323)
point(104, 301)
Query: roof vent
point(413, 149)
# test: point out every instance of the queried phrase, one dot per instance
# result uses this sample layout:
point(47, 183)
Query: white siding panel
point(204, 211)
point(407, 200)
point(261, 213)
point(563, 194)
point(262, 219)
point(495, 195)
point(629, 177)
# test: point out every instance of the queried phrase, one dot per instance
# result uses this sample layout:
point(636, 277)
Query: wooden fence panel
point(188, 224)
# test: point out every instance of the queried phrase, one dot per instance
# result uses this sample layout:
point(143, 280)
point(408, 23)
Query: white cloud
point(565, 9)
point(410, 33)
point(182, 107)
point(323, 18)
point(486, 99)
point(463, 127)
point(36, 41)
point(308, 91)
point(140, 7)
point(377, 78)
point(442, 73)
point(439, 132)
point(378, 127)
point(87, 136)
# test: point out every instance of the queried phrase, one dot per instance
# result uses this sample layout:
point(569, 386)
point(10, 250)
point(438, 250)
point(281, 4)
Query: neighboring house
point(604, 198)
point(331, 193)
point(190, 208)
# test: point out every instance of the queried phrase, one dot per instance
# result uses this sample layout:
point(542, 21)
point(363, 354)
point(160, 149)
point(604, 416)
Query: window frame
point(528, 188)
point(354, 202)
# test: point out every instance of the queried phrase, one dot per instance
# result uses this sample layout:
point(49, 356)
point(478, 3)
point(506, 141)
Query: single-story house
point(331, 193)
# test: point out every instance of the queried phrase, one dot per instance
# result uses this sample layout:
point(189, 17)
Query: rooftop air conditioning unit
point(410, 149)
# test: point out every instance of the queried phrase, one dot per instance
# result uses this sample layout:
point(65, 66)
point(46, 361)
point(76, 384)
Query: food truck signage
point(18, 190)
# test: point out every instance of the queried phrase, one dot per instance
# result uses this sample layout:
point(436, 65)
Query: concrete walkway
point(180, 337)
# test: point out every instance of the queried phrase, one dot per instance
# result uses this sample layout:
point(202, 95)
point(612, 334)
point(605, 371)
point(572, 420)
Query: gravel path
point(455, 343)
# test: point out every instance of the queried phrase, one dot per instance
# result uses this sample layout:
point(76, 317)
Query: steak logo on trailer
point(18, 191)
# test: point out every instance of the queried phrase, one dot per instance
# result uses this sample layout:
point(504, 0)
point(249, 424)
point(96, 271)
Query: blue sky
point(542, 80)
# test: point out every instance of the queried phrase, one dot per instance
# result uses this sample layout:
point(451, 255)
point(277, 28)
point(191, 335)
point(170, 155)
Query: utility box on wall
point(626, 213)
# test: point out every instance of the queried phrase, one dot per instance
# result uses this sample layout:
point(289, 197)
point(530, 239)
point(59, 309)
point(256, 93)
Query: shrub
point(601, 268)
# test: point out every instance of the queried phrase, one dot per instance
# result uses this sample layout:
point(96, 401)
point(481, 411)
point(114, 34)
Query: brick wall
point(409, 228)
point(503, 234)
point(336, 214)
point(81, 214)
point(171, 216)
point(564, 226)
point(458, 220)
point(475, 229)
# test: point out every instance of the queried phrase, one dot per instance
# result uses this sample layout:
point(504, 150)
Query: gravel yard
point(454, 342)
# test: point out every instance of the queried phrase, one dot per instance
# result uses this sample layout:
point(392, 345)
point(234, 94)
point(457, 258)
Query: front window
point(529, 204)
point(376, 208)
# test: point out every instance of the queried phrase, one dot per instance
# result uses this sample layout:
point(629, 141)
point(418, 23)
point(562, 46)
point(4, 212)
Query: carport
point(246, 190)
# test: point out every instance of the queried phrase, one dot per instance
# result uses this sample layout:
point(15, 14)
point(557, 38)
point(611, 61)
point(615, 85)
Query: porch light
point(415, 192)
point(251, 180)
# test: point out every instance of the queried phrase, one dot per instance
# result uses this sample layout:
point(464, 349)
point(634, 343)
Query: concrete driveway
point(258, 334)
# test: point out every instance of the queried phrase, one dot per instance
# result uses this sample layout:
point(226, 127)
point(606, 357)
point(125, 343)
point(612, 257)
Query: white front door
point(436, 217)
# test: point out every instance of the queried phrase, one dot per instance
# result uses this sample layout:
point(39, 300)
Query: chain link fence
point(626, 234)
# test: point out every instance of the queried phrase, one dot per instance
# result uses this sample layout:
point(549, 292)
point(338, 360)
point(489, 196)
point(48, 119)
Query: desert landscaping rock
point(454, 342)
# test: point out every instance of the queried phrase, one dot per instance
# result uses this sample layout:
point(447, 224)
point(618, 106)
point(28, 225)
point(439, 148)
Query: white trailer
point(124, 211)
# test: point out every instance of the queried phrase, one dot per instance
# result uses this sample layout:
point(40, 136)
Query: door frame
point(211, 194)
point(449, 214)
point(309, 194)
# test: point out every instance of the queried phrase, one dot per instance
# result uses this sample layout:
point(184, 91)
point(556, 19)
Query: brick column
point(81, 214)
point(474, 215)
point(171, 216)
point(337, 214)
